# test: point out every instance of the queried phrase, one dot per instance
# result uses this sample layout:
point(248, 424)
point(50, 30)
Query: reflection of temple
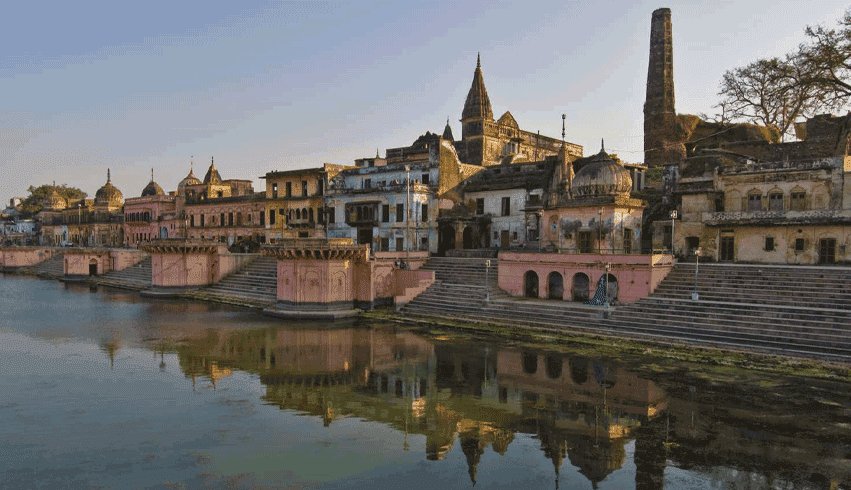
point(472, 397)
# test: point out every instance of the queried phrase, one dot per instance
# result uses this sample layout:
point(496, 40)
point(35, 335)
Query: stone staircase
point(255, 284)
point(459, 293)
point(800, 311)
point(53, 268)
point(785, 309)
point(136, 277)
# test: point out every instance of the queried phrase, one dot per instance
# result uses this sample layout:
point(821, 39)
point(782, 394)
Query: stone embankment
point(788, 310)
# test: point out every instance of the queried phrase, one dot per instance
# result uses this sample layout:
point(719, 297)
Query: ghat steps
point(802, 311)
point(53, 267)
point(255, 284)
point(137, 276)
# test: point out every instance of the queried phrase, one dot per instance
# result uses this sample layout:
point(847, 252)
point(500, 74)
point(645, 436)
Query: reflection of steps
point(256, 284)
point(137, 276)
point(796, 310)
point(53, 267)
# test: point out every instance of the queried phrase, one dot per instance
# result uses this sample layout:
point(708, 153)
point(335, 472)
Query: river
point(100, 388)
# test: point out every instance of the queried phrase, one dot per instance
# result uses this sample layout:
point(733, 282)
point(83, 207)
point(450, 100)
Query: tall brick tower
point(663, 134)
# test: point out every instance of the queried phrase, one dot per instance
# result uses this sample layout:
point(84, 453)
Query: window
point(263, 217)
point(230, 219)
point(425, 179)
point(274, 190)
point(400, 212)
point(584, 242)
point(754, 202)
point(798, 201)
point(222, 219)
point(799, 244)
point(400, 244)
point(506, 206)
point(321, 187)
point(303, 188)
point(514, 236)
point(331, 215)
point(385, 244)
point(367, 183)
point(310, 215)
point(192, 220)
point(202, 220)
point(627, 240)
point(238, 219)
point(289, 189)
point(385, 213)
point(480, 205)
point(424, 244)
point(775, 202)
point(769, 243)
point(424, 218)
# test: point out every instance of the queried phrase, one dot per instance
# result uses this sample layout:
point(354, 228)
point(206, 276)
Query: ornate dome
point(188, 180)
point(152, 189)
point(109, 194)
point(603, 175)
point(212, 176)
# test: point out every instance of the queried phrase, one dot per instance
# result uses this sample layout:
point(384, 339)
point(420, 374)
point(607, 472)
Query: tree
point(39, 195)
point(769, 93)
point(778, 91)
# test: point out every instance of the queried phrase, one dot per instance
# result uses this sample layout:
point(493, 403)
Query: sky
point(261, 86)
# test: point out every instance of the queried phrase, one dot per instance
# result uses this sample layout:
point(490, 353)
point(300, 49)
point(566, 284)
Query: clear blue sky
point(275, 86)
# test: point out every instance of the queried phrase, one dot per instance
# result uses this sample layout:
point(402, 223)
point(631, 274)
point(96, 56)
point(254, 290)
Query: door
point(827, 251)
point(727, 247)
point(503, 239)
point(365, 236)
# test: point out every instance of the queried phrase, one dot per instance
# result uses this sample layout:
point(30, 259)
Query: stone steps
point(53, 267)
point(137, 276)
point(255, 284)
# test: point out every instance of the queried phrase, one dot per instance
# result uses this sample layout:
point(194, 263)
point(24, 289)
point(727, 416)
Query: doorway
point(581, 286)
point(504, 240)
point(93, 267)
point(726, 253)
point(530, 284)
point(555, 286)
point(827, 251)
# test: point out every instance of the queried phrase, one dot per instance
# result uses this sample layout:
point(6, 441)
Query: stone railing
point(744, 217)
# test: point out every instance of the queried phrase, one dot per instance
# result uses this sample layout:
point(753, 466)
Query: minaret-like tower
point(663, 134)
point(477, 110)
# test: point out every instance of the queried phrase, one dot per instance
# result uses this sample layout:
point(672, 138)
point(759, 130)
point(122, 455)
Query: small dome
point(212, 176)
point(152, 189)
point(188, 180)
point(602, 176)
point(109, 194)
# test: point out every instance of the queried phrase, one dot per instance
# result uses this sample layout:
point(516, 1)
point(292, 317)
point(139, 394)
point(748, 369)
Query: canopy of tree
point(38, 196)
point(776, 92)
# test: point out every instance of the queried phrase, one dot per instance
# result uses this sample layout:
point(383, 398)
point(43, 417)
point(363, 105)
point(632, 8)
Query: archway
point(445, 239)
point(164, 232)
point(579, 370)
point(554, 365)
point(469, 237)
point(530, 363)
point(581, 287)
point(612, 285)
point(530, 284)
point(93, 267)
point(555, 286)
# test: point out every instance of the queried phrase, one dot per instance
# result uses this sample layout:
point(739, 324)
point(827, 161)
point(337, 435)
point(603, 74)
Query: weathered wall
point(14, 257)
point(181, 270)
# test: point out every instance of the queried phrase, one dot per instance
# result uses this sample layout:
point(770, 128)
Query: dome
point(152, 189)
point(212, 176)
point(603, 175)
point(109, 194)
point(188, 180)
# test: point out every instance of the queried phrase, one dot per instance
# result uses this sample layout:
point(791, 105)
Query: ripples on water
point(104, 389)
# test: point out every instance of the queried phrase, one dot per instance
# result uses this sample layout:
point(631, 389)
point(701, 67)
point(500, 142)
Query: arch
point(555, 286)
point(530, 284)
point(579, 370)
point(612, 286)
point(304, 213)
point(581, 287)
point(164, 232)
point(468, 237)
point(93, 267)
point(298, 214)
point(530, 363)
point(445, 239)
point(554, 367)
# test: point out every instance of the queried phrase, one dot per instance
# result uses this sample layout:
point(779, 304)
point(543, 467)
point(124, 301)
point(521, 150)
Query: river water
point(100, 388)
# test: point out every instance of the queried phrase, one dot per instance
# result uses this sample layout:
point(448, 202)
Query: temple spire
point(108, 179)
point(477, 105)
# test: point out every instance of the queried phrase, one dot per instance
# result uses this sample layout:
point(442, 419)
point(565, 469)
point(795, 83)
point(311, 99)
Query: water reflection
point(588, 421)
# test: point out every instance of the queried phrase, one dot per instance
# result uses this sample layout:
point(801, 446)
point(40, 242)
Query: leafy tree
point(776, 92)
point(39, 195)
